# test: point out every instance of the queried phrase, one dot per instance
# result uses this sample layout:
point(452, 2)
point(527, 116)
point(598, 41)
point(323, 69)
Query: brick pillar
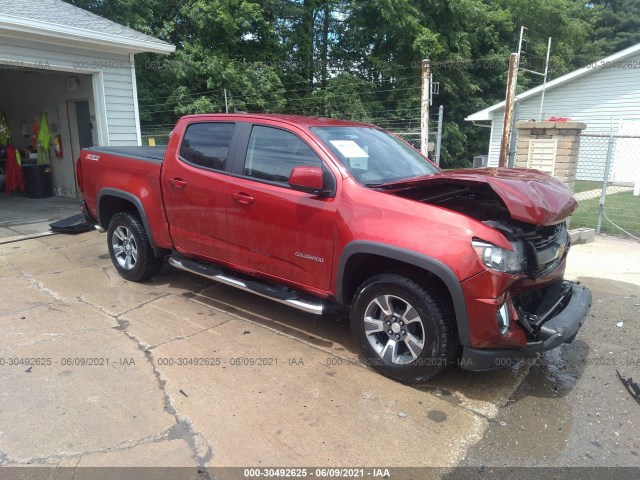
point(567, 135)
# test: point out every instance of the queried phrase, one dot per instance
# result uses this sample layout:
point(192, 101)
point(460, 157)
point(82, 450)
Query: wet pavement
point(22, 217)
point(182, 371)
point(572, 410)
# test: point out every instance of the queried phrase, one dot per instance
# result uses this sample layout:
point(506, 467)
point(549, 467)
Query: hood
point(531, 196)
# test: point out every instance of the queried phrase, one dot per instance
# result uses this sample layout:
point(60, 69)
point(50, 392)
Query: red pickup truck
point(433, 267)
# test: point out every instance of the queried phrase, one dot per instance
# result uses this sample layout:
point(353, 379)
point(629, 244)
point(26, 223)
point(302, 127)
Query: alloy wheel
point(394, 329)
point(125, 248)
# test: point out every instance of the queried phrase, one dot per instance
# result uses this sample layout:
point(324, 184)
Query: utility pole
point(520, 40)
point(226, 106)
point(424, 109)
point(512, 79)
point(439, 139)
point(544, 82)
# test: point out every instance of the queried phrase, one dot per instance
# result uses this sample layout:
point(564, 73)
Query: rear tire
point(404, 327)
point(130, 249)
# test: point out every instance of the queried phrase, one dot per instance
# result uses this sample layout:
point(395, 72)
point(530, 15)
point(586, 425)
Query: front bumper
point(566, 314)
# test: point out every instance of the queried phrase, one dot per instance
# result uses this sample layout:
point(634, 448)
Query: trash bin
point(37, 179)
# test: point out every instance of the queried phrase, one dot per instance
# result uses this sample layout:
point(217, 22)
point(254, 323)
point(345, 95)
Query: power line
point(355, 82)
point(235, 97)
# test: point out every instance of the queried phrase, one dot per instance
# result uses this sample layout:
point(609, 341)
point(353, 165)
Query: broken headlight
point(501, 259)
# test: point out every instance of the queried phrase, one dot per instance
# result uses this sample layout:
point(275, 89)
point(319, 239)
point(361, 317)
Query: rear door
point(273, 229)
point(195, 189)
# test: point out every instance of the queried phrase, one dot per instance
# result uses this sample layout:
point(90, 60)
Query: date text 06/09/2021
point(325, 472)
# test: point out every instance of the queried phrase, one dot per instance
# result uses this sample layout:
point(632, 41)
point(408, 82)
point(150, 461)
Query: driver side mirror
point(307, 179)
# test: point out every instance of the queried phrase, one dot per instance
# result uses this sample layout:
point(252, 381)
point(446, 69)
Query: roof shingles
point(57, 12)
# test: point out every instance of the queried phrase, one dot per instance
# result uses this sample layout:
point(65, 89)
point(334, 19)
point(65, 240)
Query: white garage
point(76, 70)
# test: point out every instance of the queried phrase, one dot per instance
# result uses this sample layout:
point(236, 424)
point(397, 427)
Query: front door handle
point(177, 182)
point(243, 198)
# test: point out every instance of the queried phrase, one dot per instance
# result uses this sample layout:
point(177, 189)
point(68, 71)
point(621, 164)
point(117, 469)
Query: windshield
point(373, 156)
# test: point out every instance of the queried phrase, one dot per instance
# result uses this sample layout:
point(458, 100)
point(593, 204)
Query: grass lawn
point(622, 208)
point(585, 186)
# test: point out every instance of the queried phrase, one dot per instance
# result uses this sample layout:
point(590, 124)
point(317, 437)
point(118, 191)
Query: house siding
point(119, 125)
point(595, 98)
point(496, 136)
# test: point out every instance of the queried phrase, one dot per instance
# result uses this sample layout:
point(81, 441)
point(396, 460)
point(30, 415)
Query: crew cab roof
point(299, 120)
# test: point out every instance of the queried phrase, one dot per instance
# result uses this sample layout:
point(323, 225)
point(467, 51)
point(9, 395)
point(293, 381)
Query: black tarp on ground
point(74, 224)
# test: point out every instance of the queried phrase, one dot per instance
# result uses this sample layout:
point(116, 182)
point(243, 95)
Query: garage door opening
point(66, 101)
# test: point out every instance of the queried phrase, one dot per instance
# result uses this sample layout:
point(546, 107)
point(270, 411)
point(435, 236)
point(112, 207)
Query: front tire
point(403, 327)
point(130, 249)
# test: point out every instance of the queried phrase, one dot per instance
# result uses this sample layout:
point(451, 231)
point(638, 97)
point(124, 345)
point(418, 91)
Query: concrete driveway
point(22, 217)
point(98, 371)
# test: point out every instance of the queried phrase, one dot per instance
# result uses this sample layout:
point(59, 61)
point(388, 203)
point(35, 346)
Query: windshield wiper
point(374, 185)
point(395, 183)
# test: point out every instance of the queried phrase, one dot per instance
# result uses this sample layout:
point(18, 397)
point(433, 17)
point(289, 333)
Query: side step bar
point(279, 294)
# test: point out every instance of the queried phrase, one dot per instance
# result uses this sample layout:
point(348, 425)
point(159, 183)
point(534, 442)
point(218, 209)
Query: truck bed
point(148, 154)
point(127, 173)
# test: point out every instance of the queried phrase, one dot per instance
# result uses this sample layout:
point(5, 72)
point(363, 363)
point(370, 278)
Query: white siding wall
point(593, 98)
point(496, 135)
point(118, 127)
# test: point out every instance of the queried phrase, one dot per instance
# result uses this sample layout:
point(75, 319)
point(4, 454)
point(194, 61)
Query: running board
point(279, 294)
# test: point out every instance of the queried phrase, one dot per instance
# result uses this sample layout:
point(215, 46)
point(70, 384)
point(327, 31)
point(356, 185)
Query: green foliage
point(617, 25)
point(135, 14)
point(359, 59)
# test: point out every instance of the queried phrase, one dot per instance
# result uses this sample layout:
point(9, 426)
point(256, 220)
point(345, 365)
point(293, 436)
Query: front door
point(83, 118)
point(273, 229)
point(79, 130)
point(195, 188)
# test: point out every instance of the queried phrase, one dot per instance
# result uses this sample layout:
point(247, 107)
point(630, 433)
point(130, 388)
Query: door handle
point(242, 197)
point(177, 182)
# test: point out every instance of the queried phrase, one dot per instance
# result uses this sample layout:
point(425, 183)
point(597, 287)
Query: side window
point(207, 144)
point(272, 153)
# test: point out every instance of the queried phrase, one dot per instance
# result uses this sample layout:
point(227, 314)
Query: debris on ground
point(75, 224)
point(634, 388)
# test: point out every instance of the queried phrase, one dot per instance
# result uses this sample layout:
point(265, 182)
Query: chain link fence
point(607, 185)
point(608, 180)
point(155, 138)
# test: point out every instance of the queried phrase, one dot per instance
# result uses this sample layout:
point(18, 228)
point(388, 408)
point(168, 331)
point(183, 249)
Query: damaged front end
point(520, 304)
point(535, 308)
point(552, 315)
point(547, 308)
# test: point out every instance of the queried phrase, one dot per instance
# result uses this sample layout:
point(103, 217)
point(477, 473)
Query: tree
point(616, 26)
point(132, 13)
point(222, 45)
point(359, 59)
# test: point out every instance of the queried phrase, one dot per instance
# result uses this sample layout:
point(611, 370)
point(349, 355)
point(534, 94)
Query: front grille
point(542, 237)
point(546, 248)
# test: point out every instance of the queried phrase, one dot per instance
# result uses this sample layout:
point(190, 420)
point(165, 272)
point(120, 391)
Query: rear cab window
point(207, 145)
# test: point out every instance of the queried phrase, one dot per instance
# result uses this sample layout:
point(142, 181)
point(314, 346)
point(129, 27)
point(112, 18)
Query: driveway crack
point(183, 428)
